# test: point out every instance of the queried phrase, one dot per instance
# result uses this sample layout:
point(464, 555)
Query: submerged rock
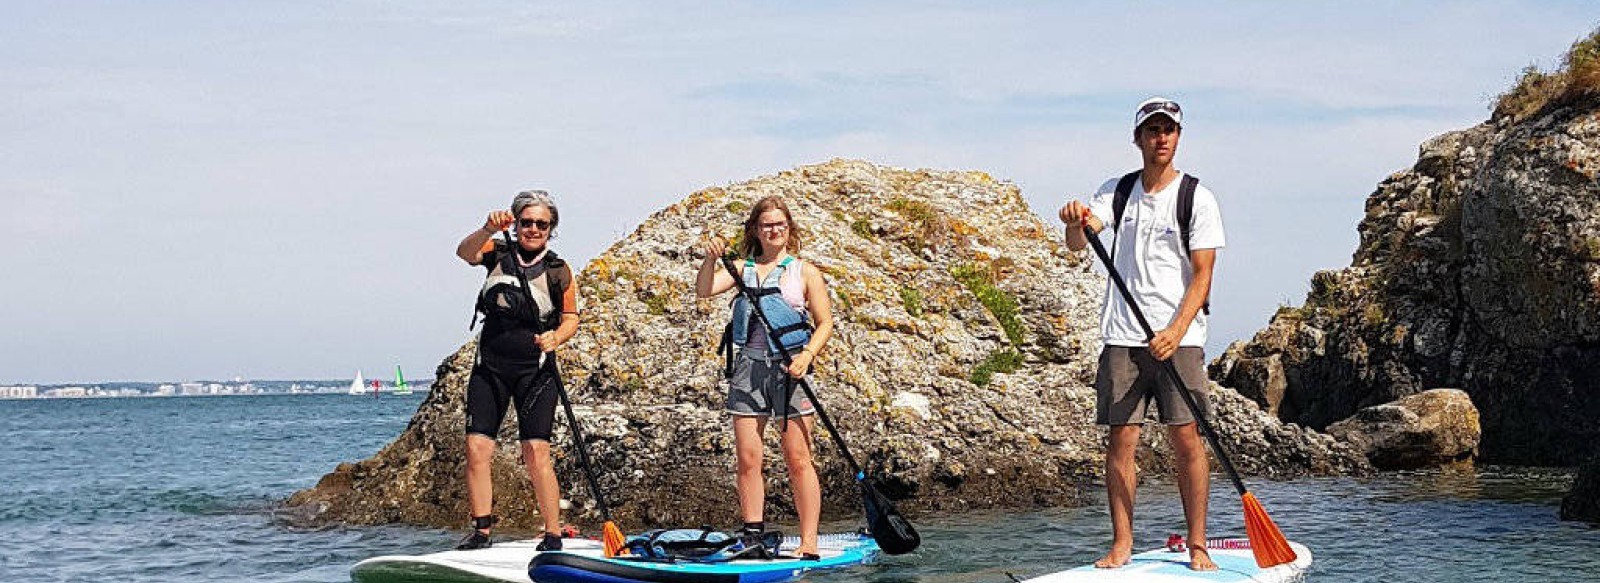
point(1427, 429)
point(1583, 502)
point(959, 370)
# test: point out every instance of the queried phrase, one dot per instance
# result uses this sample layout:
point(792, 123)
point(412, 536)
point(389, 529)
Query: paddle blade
point(613, 541)
point(893, 533)
point(1266, 541)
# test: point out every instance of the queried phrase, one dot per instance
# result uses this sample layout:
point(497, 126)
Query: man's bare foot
point(1119, 556)
point(1200, 560)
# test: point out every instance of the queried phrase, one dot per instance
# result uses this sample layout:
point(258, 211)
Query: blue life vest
point(791, 326)
point(698, 545)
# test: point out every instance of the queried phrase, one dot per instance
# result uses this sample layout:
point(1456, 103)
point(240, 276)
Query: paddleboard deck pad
point(504, 562)
point(1234, 565)
point(836, 551)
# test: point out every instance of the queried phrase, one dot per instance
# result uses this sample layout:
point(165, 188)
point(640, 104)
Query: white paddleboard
point(1234, 565)
point(503, 562)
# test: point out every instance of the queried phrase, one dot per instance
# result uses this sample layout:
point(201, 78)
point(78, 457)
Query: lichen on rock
point(933, 274)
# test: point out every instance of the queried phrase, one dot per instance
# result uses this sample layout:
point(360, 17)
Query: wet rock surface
point(1583, 502)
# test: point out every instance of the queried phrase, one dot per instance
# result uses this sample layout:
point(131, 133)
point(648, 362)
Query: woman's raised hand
point(498, 221)
point(714, 247)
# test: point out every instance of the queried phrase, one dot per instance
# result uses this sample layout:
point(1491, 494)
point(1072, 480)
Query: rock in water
point(1583, 503)
point(959, 369)
point(1430, 428)
point(1478, 268)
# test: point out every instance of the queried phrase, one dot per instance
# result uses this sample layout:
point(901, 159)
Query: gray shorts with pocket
point(1129, 378)
point(758, 388)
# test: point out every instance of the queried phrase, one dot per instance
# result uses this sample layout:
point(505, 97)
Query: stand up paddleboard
point(1235, 564)
point(504, 562)
point(838, 550)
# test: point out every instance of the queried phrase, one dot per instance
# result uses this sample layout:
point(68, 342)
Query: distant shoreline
point(414, 393)
point(139, 390)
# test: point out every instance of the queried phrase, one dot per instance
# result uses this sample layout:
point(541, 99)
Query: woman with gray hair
point(530, 308)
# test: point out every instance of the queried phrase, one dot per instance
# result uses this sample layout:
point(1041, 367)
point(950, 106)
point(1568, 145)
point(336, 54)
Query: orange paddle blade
point(1266, 541)
point(611, 537)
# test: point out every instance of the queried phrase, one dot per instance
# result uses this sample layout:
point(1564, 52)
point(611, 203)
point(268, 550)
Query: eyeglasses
point(541, 224)
point(1166, 106)
point(774, 226)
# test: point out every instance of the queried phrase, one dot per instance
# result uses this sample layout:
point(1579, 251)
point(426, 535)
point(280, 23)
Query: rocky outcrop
point(959, 369)
point(1478, 268)
point(1583, 502)
point(1430, 428)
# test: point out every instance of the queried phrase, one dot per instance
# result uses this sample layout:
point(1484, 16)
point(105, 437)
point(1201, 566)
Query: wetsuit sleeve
point(490, 256)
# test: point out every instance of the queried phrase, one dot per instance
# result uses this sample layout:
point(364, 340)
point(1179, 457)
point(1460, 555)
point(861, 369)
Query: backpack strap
point(1186, 208)
point(1186, 218)
point(1119, 203)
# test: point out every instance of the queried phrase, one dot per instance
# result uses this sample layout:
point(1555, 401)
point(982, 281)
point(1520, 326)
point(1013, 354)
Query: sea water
point(136, 490)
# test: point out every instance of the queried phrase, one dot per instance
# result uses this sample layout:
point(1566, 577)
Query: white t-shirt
point(1148, 252)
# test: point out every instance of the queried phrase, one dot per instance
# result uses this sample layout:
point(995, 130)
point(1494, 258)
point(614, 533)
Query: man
point(1171, 279)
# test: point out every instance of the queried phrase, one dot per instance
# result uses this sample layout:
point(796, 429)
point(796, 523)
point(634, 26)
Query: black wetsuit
point(509, 368)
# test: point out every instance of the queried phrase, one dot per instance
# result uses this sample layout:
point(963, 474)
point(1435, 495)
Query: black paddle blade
point(892, 531)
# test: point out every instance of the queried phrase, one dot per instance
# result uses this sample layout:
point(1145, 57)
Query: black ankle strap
point(484, 522)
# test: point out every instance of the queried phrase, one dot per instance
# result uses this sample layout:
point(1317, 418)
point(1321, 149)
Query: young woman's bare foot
point(1119, 556)
point(1200, 560)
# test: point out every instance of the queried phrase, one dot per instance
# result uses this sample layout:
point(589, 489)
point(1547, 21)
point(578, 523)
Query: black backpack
point(1186, 188)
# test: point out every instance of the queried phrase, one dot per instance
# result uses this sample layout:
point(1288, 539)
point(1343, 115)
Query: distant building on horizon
point(19, 392)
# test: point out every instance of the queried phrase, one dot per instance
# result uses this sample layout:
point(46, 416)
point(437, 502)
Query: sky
point(274, 190)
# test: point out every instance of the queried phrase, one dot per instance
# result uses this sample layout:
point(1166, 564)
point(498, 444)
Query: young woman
point(789, 291)
point(530, 309)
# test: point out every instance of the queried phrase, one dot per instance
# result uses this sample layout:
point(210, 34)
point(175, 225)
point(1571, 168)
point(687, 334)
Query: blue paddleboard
point(838, 550)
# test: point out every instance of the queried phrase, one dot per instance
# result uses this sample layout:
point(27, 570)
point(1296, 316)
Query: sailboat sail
point(400, 386)
point(358, 386)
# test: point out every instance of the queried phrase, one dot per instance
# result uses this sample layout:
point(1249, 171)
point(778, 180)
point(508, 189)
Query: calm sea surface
point(183, 489)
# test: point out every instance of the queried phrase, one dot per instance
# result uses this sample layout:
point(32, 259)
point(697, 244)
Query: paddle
point(610, 535)
point(893, 533)
point(1266, 541)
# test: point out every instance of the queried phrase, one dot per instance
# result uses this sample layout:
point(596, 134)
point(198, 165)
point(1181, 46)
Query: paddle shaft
point(583, 453)
point(561, 390)
point(1172, 370)
point(772, 338)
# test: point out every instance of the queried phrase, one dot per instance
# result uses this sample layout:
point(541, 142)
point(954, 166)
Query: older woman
point(789, 290)
point(530, 309)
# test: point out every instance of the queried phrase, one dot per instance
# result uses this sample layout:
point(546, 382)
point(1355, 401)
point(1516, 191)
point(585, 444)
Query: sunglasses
point(1166, 106)
point(541, 224)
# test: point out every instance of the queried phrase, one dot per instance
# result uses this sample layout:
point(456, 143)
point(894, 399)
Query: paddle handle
point(1172, 370)
point(773, 340)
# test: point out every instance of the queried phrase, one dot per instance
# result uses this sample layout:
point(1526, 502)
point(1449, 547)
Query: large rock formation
point(1430, 428)
point(959, 369)
point(1478, 268)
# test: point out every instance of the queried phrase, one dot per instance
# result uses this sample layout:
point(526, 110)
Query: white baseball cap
point(1158, 106)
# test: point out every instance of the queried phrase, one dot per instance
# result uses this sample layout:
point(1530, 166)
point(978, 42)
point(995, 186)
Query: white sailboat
point(358, 386)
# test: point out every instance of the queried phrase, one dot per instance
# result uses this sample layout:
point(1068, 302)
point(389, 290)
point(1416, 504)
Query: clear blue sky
point(274, 189)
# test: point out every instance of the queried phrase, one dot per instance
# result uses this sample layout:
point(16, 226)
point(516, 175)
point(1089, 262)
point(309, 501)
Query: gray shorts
point(1129, 378)
point(758, 388)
